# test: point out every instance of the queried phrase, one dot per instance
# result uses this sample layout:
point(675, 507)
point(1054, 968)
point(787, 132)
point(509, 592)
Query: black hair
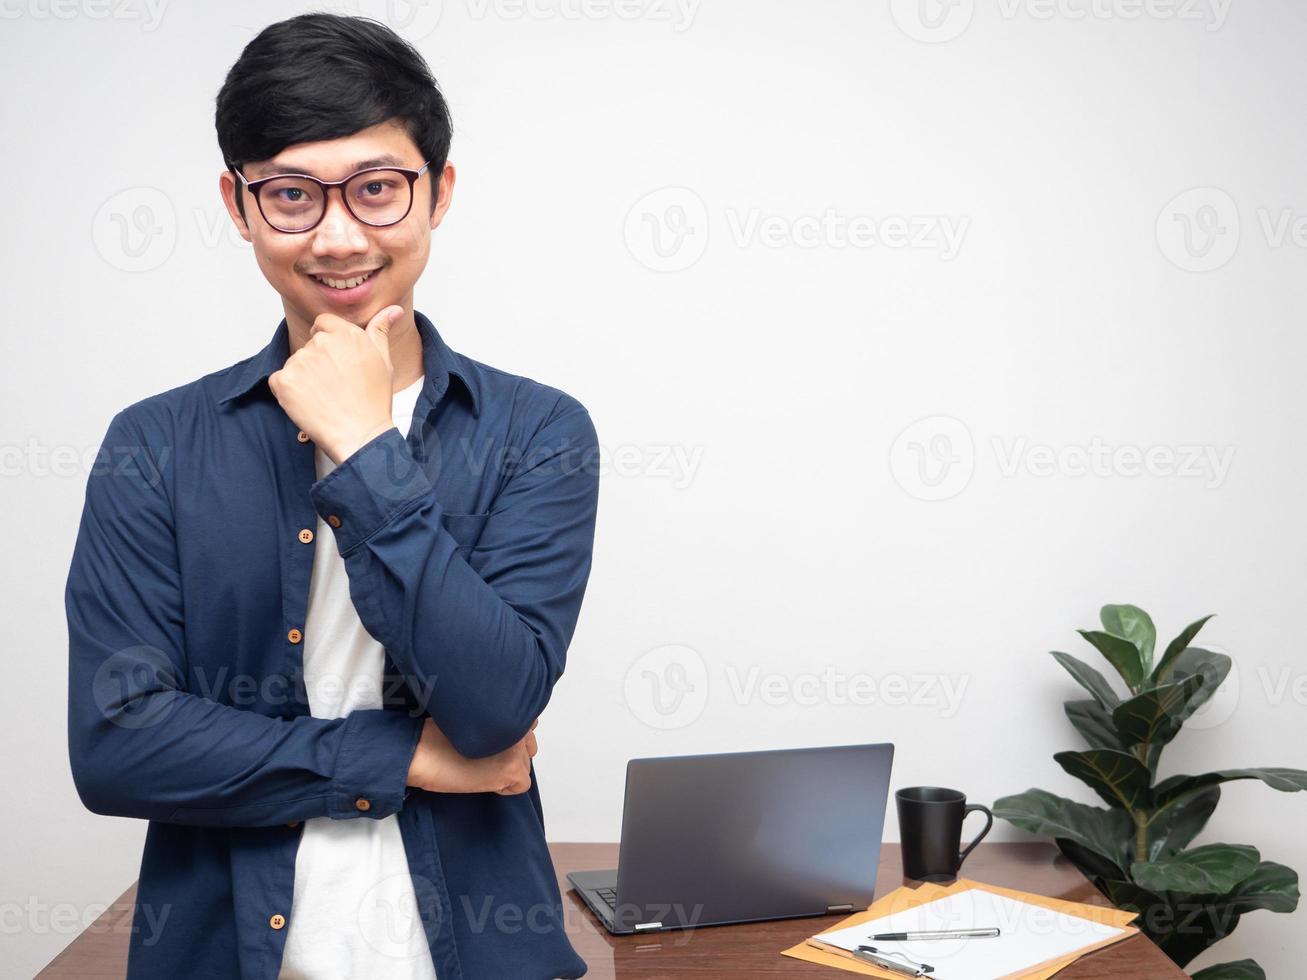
point(322, 76)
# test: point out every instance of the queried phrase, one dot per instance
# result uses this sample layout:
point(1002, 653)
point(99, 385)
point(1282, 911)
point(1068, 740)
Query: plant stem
point(1141, 837)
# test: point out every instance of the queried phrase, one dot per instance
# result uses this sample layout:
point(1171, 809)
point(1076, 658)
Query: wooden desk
point(709, 952)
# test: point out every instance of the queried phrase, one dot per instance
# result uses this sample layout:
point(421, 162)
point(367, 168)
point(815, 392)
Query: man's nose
point(339, 232)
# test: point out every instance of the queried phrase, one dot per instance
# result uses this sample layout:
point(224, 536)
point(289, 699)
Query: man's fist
point(337, 387)
point(438, 768)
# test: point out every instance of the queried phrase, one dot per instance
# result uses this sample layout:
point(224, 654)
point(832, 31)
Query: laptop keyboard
point(609, 896)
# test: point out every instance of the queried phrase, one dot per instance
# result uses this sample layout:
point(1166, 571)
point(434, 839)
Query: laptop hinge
point(648, 926)
point(846, 907)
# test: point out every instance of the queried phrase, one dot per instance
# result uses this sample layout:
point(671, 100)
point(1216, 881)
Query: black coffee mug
point(930, 831)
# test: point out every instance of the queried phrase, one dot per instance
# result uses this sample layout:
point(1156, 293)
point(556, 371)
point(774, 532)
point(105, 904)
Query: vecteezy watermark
point(388, 915)
point(146, 12)
point(412, 20)
point(1222, 703)
point(135, 230)
point(668, 687)
point(937, 21)
point(679, 14)
point(667, 230)
point(138, 687)
point(835, 687)
point(934, 459)
point(37, 459)
point(1198, 229)
point(35, 916)
point(675, 462)
point(1210, 464)
point(418, 19)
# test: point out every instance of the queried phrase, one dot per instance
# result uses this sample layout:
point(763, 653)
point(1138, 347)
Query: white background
point(771, 502)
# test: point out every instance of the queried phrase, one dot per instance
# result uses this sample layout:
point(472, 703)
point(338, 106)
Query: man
point(319, 598)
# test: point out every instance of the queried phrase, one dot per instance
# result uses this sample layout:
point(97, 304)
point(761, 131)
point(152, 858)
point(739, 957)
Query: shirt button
point(333, 520)
point(362, 804)
point(294, 636)
point(302, 436)
point(306, 535)
point(277, 921)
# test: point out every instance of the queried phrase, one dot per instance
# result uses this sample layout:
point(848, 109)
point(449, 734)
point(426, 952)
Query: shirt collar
point(438, 360)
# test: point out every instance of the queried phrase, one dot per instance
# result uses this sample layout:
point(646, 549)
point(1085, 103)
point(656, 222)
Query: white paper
point(1030, 934)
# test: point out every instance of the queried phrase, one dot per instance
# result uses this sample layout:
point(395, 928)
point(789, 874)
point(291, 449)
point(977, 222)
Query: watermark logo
point(667, 229)
point(1198, 229)
point(389, 918)
point(933, 458)
point(148, 13)
point(932, 21)
point(122, 680)
point(1221, 706)
point(136, 229)
point(667, 687)
point(412, 20)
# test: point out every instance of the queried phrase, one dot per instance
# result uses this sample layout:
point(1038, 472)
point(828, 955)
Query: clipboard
point(901, 899)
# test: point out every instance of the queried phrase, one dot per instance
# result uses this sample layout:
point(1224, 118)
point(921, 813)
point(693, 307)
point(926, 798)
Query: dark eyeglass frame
point(253, 186)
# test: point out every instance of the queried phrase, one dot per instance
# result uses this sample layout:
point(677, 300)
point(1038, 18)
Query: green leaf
point(1105, 832)
point(1133, 624)
point(1210, 868)
point(1197, 662)
point(1128, 895)
point(1154, 715)
point(1271, 886)
point(1091, 864)
point(1120, 653)
point(1179, 787)
point(1234, 970)
point(1172, 830)
point(1177, 647)
point(1118, 777)
point(1095, 724)
point(1088, 678)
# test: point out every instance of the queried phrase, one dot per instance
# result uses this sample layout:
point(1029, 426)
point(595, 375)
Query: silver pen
point(902, 937)
point(886, 961)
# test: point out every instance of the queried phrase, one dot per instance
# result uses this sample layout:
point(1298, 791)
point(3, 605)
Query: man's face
point(341, 247)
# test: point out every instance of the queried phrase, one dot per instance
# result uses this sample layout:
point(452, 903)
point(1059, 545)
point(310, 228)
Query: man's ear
point(227, 187)
point(444, 189)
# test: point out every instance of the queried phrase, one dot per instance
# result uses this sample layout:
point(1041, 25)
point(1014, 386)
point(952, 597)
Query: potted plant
point(1136, 851)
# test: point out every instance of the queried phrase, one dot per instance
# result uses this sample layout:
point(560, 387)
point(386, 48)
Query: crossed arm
point(495, 638)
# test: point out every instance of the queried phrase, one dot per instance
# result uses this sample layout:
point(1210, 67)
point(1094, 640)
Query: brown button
point(362, 804)
point(302, 436)
point(333, 520)
point(294, 636)
point(306, 535)
point(277, 921)
point(293, 823)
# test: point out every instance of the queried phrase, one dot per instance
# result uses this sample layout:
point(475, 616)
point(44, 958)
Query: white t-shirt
point(353, 911)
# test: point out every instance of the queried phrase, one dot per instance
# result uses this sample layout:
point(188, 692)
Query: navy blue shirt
point(467, 544)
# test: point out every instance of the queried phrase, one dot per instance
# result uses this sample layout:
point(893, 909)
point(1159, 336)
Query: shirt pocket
point(465, 529)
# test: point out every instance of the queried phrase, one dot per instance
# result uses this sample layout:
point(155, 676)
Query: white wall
point(787, 372)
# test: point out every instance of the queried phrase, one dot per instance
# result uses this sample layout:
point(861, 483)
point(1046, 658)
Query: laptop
point(744, 837)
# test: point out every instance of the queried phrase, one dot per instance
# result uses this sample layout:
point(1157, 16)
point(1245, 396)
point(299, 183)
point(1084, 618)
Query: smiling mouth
point(349, 283)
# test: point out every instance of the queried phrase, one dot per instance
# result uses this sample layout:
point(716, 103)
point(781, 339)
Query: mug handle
point(989, 822)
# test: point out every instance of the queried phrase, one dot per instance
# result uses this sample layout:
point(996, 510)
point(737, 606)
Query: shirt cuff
point(369, 488)
point(371, 778)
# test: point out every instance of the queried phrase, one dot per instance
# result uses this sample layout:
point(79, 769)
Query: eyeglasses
point(293, 203)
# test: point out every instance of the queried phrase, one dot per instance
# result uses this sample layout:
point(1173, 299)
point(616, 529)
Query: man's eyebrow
point(273, 168)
